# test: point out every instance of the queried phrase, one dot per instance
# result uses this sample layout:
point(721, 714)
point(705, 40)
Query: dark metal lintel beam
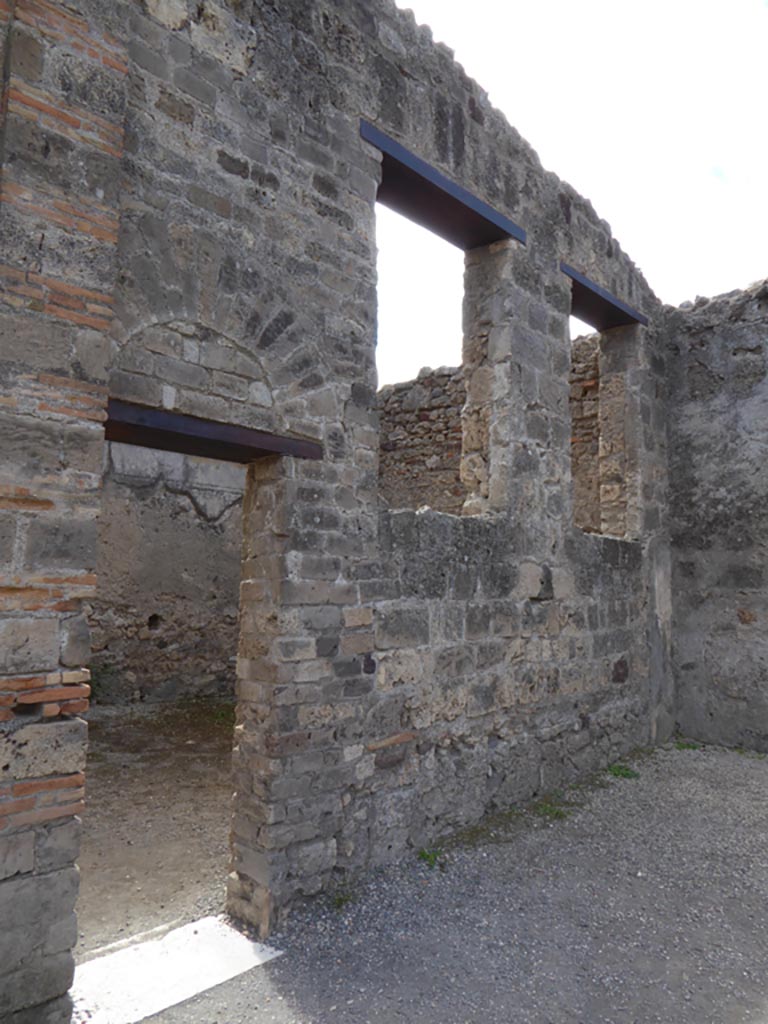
point(596, 306)
point(131, 423)
point(417, 190)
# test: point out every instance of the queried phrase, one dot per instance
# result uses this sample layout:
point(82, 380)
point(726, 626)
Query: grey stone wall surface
point(63, 83)
point(163, 621)
point(719, 513)
point(398, 672)
point(420, 439)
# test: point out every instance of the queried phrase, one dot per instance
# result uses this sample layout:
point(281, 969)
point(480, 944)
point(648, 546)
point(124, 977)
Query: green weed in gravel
point(549, 807)
point(342, 898)
point(497, 827)
point(433, 858)
point(622, 771)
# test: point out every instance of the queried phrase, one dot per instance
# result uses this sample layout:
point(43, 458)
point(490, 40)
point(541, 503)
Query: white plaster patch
point(132, 983)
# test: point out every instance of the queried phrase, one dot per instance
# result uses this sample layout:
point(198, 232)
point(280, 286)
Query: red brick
point(39, 817)
point(23, 504)
point(70, 384)
point(9, 807)
point(74, 707)
point(15, 683)
point(55, 693)
point(45, 785)
point(392, 741)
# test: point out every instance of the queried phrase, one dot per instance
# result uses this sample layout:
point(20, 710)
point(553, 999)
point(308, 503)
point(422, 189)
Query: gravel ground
point(647, 903)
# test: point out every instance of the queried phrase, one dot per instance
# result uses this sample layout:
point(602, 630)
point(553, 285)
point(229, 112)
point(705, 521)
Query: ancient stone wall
point(398, 672)
point(61, 119)
point(585, 432)
point(603, 452)
point(420, 442)
point(164, 617)
point(719, 507)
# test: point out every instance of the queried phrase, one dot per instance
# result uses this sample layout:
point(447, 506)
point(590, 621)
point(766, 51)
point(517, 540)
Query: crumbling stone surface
point(603, 454)
point(164, 620)
point(585, 432)
point(420, 441)
point(719, 515)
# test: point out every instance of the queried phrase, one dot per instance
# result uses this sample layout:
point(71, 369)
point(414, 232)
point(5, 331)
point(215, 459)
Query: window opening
point(601, 464)
point(420, 335)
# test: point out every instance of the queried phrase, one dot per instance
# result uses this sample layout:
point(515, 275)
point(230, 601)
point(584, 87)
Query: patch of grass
point(432, 857)
point(550, 807)
point(622, 771)
point(687, 745)
point(342, 898)
point(754, 754)
point(492, 828)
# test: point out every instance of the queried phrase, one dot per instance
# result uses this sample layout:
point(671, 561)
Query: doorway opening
point(164, 635)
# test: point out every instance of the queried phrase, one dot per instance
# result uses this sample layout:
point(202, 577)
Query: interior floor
point(156, 826)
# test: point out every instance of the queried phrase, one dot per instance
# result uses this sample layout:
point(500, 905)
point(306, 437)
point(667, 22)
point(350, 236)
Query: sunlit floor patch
point(132, 983)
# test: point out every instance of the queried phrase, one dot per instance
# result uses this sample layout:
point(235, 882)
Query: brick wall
point(62, 112)
point(420, 442)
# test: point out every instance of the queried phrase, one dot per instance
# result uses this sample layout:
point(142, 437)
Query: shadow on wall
point(165, 621)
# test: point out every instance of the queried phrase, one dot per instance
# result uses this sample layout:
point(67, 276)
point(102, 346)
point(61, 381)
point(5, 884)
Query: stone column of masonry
point(61, 135)
point(305, 671)
point(487, 425)
point(264, 696)
point(516, 365)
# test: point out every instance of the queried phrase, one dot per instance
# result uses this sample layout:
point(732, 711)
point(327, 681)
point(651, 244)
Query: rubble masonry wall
point(399, 672)
point(719, 512)
point(420, 441)
point(163, 619)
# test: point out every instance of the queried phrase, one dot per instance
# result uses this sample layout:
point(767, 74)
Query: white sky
point(655, 111)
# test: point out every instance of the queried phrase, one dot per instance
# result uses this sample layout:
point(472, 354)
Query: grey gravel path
point(647, 903)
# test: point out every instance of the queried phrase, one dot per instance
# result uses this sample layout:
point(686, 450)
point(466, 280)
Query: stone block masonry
point(585, 432)
point(164, 619)
point(718, 350)
point(420, 442)
point(61, 129)
point(198, 235)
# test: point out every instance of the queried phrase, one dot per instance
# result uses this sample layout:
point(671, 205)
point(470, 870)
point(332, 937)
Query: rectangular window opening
point(419, 364)
point(599, 458)
point(435, 447)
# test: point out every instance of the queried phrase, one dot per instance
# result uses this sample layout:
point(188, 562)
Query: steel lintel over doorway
point(142, 425)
